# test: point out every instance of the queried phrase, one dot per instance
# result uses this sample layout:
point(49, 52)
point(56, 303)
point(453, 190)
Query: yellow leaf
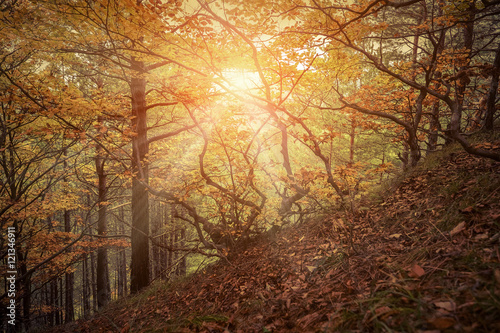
point(311, 268)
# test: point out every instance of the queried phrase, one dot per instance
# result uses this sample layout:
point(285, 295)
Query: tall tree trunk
point(102, 274)
point(139, 267)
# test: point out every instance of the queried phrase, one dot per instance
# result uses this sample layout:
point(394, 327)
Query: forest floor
point(424, 257)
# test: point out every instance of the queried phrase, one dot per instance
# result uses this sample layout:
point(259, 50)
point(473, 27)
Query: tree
point(421, 80)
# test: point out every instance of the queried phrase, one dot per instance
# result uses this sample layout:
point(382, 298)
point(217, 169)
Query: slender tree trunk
point(491, 106)
point(86, 287)
point(51, 302)
point(182, 264)
point(93, 283)
point(169, 221)
point(60, 301)
point(139, 267)
point(171, 254)
point(45, 297)
point(68, 279)
point(156, 232)
point(86, 282)
point(434, 122)
point(122, 261)
point(468, 35)
point(433, 128)
point(413, 138)
point(176, 260)
point(102, 285)
point(352, 136)
point(25, 286)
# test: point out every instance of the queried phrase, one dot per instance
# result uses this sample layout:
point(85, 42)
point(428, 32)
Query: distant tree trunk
point(434, 122)
point(139, 267)
point(491, 106)
point(464, 80)
point(45, 298)
point(86, 287)
point(171, 254)
point(122, 261)
point(54, 296)
point(86, 284)
point(102, 285)
point(167, 254)
point(433, 128)
point(25, 286)
point(413, 143)
point(182, 264)
point(50, 302)
point(156, 232)
point(93, 281)
point(352, 136)
point(60, 301)
point(68, 279)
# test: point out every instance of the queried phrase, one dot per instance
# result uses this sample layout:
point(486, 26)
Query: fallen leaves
point(459, 228)
point(442, 322)
point(416, 271)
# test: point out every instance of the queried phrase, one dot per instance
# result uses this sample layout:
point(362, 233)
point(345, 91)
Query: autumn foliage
point(138, 138)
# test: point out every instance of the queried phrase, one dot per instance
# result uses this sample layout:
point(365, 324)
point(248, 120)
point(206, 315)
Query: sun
point(242, 80)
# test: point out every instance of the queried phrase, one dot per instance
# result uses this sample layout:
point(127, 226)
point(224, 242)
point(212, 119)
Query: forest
point(142, 140)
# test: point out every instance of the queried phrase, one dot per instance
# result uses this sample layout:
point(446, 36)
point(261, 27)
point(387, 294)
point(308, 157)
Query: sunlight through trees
point(138, 138)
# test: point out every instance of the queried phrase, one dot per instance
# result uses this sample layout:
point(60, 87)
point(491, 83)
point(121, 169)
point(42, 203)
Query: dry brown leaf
point(497, 276)
point(416, 271)
point(460, 227)
point(481, 236)
point(447, 305)
point(307, 319)
point(442, 322)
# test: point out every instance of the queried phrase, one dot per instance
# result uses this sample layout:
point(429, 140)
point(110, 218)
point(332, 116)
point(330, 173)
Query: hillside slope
point(424, 259)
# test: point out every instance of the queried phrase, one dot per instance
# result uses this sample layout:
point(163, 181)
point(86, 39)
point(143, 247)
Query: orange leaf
point(442, 322)
point(416, 271)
